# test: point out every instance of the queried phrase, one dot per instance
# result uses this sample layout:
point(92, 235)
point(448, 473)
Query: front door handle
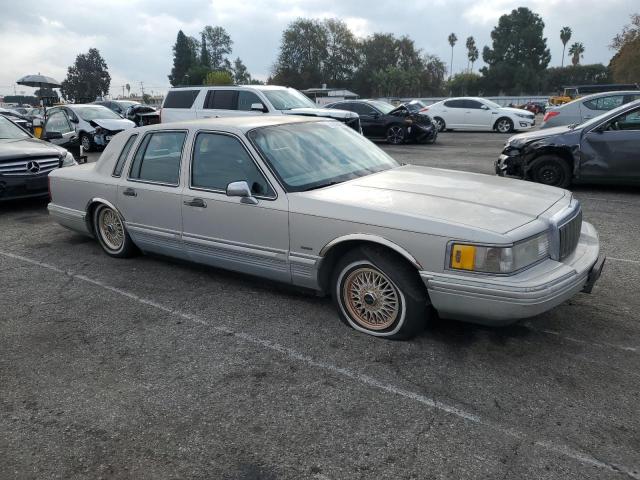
point(130, 192)
point(196, 202)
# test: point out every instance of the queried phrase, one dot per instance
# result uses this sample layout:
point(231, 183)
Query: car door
point(453, 113)
point(225, 102)
point(150, 194)
point(59, 122)
point(611, 150)
point(249, 235)
point(371, 119)
point(477, 115)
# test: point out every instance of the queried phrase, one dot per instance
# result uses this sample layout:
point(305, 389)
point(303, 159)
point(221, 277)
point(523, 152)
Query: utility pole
point(122, 91)
point(142, 89)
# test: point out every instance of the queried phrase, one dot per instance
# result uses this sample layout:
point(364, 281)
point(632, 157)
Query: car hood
point(113, 124)
point(321, 112)
point(517, 111)
point(28, 147)
point(528, 137)
point(415, 198)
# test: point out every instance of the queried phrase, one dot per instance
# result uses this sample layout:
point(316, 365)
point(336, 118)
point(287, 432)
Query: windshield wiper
point(322, 185)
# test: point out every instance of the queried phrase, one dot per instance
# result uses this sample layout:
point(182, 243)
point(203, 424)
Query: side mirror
point(484, 107)
point(52, 135)
point(258, 107)
point(241, 189)
point(375, 115)
point(74, 120)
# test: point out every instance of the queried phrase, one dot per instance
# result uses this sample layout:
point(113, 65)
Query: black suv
point(382, 121)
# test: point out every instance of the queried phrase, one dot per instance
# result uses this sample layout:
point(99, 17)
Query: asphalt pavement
point(149, 368)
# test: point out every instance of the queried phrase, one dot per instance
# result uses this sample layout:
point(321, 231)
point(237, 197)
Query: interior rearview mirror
point(241, 189)
point(258, 107)
point(52, 135)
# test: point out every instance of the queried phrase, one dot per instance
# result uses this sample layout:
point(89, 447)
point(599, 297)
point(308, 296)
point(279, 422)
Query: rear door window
point(180, 98)
point(157, 159)
point(605, 103)
point(454, 103)
point(221, 100)
point(117, 171)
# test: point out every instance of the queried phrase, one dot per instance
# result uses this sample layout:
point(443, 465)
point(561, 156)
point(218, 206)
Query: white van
point(188, 103)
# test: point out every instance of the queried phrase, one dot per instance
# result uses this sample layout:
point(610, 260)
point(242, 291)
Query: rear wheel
point(111, 232)
point(551, 170)
point(396, 135)
point(379, 294)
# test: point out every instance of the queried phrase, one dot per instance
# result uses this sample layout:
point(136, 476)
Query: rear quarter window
point(180, 99)
point(117, 171)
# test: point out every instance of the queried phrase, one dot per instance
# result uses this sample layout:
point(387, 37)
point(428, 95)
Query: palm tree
point(471, 46)
point(576, 50)
point(565, 36)
point(452, 41)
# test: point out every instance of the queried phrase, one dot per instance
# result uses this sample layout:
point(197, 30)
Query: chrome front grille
point(570, 235)
point(28, 166)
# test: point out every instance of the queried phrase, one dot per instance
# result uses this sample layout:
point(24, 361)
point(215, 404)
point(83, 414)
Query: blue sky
point(136, 36)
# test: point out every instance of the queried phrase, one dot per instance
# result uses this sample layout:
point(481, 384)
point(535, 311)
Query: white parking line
point(363, 379)
point(584, 342)
point(625, 260)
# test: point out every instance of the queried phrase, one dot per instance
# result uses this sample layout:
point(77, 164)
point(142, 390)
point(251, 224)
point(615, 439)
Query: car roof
point(594, 96)
point(230, 87)
point(241, 124)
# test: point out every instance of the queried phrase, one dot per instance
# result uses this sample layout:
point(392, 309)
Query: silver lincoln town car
point(312, 203)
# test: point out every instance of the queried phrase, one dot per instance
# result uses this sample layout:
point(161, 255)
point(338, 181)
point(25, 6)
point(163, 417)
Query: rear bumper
point(494, 300)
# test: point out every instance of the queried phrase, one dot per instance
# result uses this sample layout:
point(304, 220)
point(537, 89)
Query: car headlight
point(68, 160)
point(524, 115)
point(495, 259)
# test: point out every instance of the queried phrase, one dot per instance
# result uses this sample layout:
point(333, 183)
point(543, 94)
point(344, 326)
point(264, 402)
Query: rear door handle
point(196, 202)
point(130, 192)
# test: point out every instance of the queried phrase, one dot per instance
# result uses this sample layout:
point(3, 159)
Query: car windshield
point(288, 99)
point(384, 107)
point(95, 113)
point(126, 105)
point(9, 131)
point(312, 155)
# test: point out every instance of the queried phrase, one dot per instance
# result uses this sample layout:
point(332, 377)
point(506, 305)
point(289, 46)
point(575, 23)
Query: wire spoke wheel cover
point(111, 229)
point(371, 299)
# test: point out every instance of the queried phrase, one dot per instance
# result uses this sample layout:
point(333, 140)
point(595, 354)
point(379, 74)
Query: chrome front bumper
point(500, 300)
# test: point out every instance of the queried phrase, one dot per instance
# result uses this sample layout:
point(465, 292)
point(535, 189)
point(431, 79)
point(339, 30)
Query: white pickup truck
point(189, 103)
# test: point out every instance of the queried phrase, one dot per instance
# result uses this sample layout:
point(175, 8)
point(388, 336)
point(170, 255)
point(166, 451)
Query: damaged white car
point(95, 125)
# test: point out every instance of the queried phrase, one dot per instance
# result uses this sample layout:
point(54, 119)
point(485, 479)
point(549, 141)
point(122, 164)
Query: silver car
point(312, 203)
point(585, 108)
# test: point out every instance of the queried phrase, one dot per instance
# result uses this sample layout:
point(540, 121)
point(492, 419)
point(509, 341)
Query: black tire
point(87, 142)
point(393, 302)
point(427, 140)
point(103, 216)
point(550, 170)
point(442, 126)
point(504, 125)
point(396, 134)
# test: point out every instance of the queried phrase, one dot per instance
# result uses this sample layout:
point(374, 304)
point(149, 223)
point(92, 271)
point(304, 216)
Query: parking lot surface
point(152, 369)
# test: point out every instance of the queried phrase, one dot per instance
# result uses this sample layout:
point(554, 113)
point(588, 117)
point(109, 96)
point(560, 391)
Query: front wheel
point(111, 232)
point(86, 142)
point(379, 294)
point(504, 125)
point(395, 135)
point(440, 124)
point(551, 170)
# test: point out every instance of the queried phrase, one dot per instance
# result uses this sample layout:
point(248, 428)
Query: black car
point(118, 106)
point(605, 149)
point(382, 121)
point(142, 115)
point(25, 162)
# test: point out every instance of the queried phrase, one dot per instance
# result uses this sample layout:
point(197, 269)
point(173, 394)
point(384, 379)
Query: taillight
point(549, 115)
point(424, 109)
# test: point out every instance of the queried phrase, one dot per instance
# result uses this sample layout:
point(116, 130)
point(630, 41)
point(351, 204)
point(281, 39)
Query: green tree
point(204, 53)
point(218, 46)
point(472, 53)
point(219, 77)
point(183, 59)
point(342, 52)
point(558, 77)
point(625, 64)
point(303, 54)
point(464, 84)
point(565, 36)
point(87, 79)
point(196, 75)
point(240, 73)
point(519, 56)
point(576, 50)
point(452, 41)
